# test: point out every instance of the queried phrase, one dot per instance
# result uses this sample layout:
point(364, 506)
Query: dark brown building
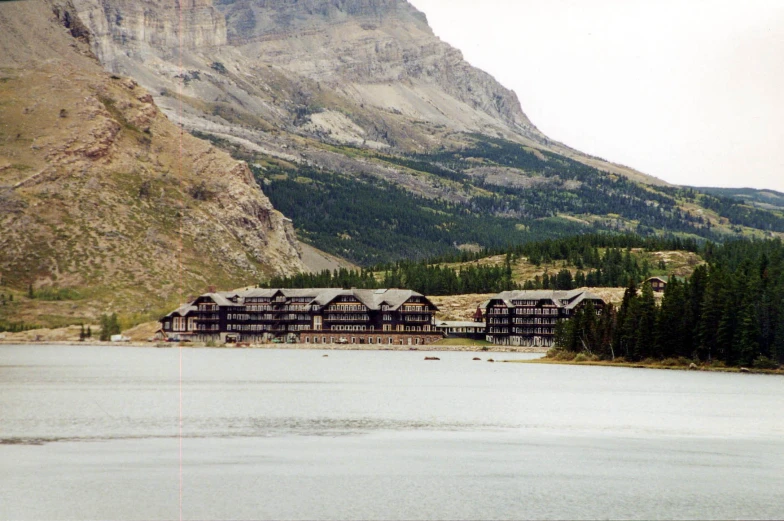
point(529, 318)
point(315, 316)
point(658, 284)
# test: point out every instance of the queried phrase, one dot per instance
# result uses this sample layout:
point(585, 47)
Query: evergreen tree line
point(731, 311)
point(602, 261)
point(16, 327)
point(422, 277)
point(578, 249)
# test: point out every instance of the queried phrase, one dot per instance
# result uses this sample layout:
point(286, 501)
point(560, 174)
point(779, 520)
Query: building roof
point(372, 298)
point(667, 278)
point(582, 297)
point(572, 297)
point(221, 299)
point(182, 311)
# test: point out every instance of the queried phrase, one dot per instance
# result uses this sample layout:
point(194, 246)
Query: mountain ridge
point(102, 194)
point(364, 72)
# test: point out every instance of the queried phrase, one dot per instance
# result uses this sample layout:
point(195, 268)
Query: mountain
point(376, 138)
point(105, 204)
point(361, 72)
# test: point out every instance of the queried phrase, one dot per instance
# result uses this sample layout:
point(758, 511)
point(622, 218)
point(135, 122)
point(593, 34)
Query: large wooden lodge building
point(311, 316)
point(528, 318)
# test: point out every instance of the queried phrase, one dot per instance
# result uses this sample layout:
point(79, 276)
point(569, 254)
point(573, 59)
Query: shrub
point(219, 67)
point(581, 358)
point(676, 362)
point(557, 353)
point(764, 362)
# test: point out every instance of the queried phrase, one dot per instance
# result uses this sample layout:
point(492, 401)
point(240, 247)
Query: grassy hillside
point(768, 199)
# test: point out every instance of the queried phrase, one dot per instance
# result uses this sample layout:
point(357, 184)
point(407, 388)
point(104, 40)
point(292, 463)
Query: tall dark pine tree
point(646, 329)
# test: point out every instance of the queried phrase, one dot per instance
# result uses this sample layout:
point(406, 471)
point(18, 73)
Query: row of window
point(348, 328)
point(535, 321)
point(533, 331)
point(347, 318)
point(347, 307)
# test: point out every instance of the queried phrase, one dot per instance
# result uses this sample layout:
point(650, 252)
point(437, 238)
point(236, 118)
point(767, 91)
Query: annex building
point(317, 316)
point(529, 318)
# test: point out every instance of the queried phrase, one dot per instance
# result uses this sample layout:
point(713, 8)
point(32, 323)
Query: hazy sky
point(691, 91)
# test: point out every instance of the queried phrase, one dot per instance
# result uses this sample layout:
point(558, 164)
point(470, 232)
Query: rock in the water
point(477, 358)
point(432, 358)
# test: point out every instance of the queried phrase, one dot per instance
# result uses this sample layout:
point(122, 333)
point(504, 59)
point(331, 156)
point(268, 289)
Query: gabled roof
point(373, 299)
point(219, 299)
point(572, 297)
point(328, 295)
point(585, 295)
point(667, 278)
point(182, 311)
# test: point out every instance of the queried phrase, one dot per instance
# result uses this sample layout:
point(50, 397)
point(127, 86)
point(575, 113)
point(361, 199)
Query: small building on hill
point(659, 284)
point(529, 318)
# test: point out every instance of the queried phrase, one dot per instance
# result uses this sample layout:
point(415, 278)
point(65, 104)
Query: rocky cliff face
point(360, 72)
point(361, 46)
point(137, 29)
point(99, 191)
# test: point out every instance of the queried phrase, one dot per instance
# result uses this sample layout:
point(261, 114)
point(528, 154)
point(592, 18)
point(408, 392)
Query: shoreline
point(311, 347)
point(640, 365)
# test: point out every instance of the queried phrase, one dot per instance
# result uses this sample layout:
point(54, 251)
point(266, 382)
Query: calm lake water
point(93, 433)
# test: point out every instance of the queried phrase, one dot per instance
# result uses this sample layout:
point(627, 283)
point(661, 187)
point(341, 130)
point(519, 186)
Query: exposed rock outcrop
point(360, 72)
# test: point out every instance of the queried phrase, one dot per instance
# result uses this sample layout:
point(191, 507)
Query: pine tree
point(108, 326)
point(644, 338)
point(669, 327)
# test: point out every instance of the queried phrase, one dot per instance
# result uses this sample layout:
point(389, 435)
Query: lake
point(94, 433)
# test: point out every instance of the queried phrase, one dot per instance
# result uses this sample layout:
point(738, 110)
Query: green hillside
point(488, 194)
